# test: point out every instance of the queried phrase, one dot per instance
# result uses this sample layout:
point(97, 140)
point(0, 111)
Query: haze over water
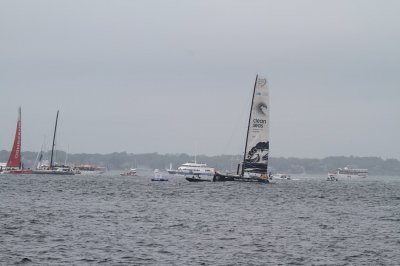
point(167, 76)
point(176, 77)
point(114, 220)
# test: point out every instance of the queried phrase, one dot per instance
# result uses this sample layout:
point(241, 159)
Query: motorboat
point(281, 177)
point(158, 176)
point(88, 169)
point(193, 168)
point(196, 179)
point(131, 172)
point(348, 172)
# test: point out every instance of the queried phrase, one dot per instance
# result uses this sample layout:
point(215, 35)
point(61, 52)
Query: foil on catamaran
point(254, 167)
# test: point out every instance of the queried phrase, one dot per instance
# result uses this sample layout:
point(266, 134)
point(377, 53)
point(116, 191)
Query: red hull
point(19, 172)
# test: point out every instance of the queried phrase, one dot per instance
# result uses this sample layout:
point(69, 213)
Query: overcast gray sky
point(177, 76)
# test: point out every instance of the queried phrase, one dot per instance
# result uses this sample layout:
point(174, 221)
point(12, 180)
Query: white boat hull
point(347, 173)
point(345, 176)
point(83, 172)
point(281, 177)
point(53, 172)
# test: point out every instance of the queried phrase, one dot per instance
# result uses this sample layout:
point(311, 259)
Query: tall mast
point(54, 138)
point(248, 126)
point(20, 137)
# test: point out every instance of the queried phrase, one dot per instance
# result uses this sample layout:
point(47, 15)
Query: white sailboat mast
point(54, 144)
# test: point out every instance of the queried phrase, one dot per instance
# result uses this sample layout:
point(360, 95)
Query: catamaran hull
point(195, 179)
point(223, 177)
point(218, 177)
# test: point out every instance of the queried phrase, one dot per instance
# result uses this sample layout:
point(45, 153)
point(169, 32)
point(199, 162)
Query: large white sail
point(257, 142)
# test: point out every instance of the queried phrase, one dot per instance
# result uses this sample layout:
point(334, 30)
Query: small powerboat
point(197, 179)
point(131, 172)
point(158, 176)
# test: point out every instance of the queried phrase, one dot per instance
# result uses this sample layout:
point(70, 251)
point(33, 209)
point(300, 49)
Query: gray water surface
point(114, 220)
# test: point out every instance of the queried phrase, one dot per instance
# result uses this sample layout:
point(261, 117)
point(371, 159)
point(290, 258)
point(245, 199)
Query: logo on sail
point(258, 153)
point(261, 82)
point(262, 108)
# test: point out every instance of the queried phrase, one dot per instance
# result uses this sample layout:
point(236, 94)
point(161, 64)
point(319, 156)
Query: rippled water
point(114, 220)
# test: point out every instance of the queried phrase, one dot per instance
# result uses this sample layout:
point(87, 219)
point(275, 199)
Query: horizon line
point(183, 153)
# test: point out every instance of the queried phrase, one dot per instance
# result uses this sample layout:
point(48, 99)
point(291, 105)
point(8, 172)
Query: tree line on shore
point(123, 160)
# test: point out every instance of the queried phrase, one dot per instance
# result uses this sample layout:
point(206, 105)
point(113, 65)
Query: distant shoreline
point(123, 160)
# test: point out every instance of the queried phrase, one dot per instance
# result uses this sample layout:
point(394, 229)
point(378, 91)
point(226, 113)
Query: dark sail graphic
point(257, 142)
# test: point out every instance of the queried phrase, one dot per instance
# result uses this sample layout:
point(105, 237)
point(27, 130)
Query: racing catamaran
point(255, 161)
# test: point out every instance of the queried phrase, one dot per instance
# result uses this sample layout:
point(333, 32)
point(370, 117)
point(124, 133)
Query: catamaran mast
point(248, 126)
point(20, 137)
point(54, 138)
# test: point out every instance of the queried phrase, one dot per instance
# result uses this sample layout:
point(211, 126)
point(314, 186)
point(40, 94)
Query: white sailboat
point(52, 168)
point(255, 161)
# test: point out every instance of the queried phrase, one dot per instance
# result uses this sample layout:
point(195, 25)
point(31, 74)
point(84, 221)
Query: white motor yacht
point(193, 168)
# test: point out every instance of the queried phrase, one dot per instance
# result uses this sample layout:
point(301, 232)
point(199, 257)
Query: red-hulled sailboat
point(14, 165)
